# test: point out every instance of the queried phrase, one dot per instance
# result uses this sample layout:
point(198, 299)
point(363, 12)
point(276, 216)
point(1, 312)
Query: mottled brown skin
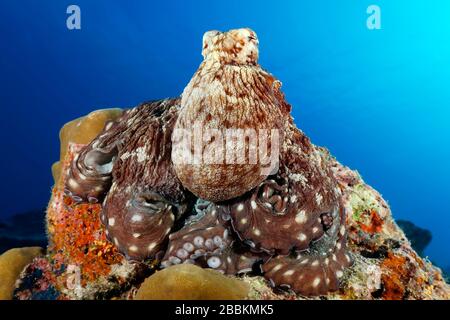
point(228, 91)
point(143, 195)
point(317, 271)
point(308, 171)
point(275, 224)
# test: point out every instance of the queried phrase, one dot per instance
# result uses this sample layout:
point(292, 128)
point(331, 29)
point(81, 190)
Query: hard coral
point(12, 263)
point(385, 261)
point(39, 281)
point(189, 282)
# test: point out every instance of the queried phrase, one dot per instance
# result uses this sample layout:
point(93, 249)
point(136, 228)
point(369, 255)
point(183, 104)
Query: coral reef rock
point(189, 282)
point(12, 263)
point(123, 208)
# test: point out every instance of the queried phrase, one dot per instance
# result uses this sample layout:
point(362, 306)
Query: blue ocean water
point(378, 99)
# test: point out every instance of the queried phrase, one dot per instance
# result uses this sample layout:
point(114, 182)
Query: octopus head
point(238, 46)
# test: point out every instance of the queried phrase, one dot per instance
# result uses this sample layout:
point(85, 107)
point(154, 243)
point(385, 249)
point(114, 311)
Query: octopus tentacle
point(231, 261)
point(140, 225)
point(318, 270)
point(90, 174)
point(270, 221)
point(204, 233)
point(207, 241)
point(145, 199)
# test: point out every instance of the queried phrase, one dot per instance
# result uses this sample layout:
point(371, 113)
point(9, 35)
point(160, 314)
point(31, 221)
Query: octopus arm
point(137, 222)
point(90, 174)
point(274, 220)
point(145, 198)
point(207, 241)
point(316, 271)
point(202, 235)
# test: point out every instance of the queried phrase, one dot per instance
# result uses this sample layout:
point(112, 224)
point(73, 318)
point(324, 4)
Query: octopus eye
point(150, 201)
point(273, 195)
point(100, 161)
point(153, 202)
point(327, 220)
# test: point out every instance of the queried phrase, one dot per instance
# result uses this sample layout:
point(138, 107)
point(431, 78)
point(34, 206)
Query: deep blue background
point(379, 100)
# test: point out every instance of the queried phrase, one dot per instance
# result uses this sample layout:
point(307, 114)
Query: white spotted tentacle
point(319, 270)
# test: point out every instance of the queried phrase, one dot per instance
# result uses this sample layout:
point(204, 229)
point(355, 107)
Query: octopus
point(288, 224)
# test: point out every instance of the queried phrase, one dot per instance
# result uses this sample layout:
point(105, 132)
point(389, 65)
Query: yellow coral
point(12, 263)
point(189, 282)
point(82, 131)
